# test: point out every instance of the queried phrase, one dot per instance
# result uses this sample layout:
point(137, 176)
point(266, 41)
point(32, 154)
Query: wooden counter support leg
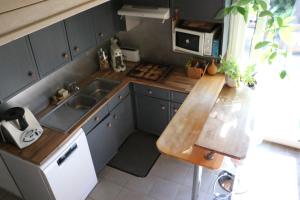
point(196, 181)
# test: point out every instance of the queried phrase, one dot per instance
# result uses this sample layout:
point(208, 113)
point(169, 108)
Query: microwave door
point(189, 41)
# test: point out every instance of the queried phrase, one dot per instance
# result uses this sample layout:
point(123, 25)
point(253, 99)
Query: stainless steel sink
point(66, 115)
point(99, 88)
point(81, 102)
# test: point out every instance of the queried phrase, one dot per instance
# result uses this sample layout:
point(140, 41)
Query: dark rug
point(137, 154)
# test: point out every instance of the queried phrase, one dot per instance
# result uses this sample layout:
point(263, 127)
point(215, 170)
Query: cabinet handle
point(76, 49)
point(101, 35)
point(150, 92)
point(65, 55)
point(30, 73)
point(163, 107)
point(109, 125)
point(97, 119)
point(120, 97)
point(115, 116)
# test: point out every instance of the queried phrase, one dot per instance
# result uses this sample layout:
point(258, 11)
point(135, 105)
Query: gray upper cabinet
point(198, 9)
point(50, 48)
point(17, 67)
point(80, 31)
point(152, 114)
point(103, 22)
point(151, 3)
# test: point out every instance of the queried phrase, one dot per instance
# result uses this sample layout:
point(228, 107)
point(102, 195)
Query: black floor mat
point(137, 155)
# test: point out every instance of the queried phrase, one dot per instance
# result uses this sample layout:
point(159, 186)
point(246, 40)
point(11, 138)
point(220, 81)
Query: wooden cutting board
point(9, 5)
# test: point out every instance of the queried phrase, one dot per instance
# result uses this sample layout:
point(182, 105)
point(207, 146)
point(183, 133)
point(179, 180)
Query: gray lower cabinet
point(123, 120)
point(103, 22)
point(174, 108)
point(105, 139)
point(102, 143)
point(50, 48)
point(80, 31)
point(152, 114)
point(17, 67)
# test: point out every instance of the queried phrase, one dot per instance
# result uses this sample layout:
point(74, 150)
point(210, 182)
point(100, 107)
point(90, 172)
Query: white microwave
point(188, 41)
point(195, 42)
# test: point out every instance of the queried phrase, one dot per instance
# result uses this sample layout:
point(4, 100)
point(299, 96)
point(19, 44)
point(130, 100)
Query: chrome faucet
point(72, 87)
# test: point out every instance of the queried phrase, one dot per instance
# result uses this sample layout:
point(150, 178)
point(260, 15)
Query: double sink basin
point(66, 115)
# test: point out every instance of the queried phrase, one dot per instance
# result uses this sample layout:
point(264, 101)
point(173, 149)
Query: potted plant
point(233, 74)
point(195, 67)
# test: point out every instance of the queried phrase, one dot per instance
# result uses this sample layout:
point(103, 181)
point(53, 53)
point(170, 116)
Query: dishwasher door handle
point(67, 154)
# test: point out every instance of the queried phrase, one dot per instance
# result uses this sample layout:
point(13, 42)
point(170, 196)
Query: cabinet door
point(102, 143)
point(17, 67)
point(152, 3)
point(119, 23)
point(6, 179)
point(50, 48)
point(152, 114)
point(103, 20)
point(174, 108)
point(123, 120)
point(80, 31)
point(198, 9)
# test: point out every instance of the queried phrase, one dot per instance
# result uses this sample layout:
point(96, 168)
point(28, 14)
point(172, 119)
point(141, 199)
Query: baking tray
point(153, 72)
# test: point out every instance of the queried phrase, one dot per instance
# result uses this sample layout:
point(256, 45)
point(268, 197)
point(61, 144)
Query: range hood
point(146, 12)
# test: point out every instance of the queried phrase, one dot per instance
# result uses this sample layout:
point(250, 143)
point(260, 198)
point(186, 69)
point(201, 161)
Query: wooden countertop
point(187, 137)
point(179, 138)
point(52, 140)
point(202, 126)
point(228, 127)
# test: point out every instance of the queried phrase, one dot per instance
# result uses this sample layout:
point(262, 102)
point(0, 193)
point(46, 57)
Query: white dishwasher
point(70, 172)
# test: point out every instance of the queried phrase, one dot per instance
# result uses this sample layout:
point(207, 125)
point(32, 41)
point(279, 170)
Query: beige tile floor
point(269, 172)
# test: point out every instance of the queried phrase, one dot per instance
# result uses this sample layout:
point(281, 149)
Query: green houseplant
point(278, 24)
point(234, 75)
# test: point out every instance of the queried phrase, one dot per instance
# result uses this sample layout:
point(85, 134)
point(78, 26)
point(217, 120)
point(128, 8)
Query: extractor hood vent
point(146, 12)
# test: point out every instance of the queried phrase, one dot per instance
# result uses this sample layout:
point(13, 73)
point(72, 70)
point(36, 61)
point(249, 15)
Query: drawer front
point(152, 91)
point(95, 120)
point(178, 97)
point(118, 98)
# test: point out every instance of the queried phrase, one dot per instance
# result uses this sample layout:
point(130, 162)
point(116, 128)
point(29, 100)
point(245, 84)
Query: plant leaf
point(279, 21)
point(270, 22)
point(283, 74)
point(243, 2)
point(261, 44)
point(272, 57)
point(265, 13)
point(220, 14)
point(263, 4)
point(243, 12)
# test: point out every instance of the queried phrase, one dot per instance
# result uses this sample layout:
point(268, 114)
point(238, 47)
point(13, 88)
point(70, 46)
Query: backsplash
point(36, 97)
point(154, 40)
